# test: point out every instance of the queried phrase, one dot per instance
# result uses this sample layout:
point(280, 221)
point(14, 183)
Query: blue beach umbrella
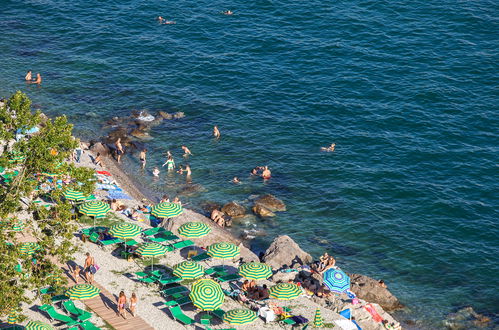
point(336, 280)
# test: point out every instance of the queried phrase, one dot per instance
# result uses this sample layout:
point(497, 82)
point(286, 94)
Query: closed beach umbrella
point(29, 248)
point(82, 291)
point(13, 316)
point(188, 270)
point(166, 210)
point(194, 229)
point(336, 280)
point(240, 316)
point(152, 250)
point(18, 226)
point(285, 291)
point(318, 322)
point(223, 251)
point(38, 325)
point(255, 271)
point(94, 208)
point(207, 295)
point(125, 230)
point(73, 195)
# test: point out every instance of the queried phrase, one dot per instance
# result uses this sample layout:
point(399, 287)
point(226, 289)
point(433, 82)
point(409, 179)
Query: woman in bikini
point(121, 304)
point(133, 304)
point(170, 163)
point(142, 158)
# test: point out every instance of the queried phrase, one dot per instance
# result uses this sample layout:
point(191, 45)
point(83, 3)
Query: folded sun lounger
point(81, 314)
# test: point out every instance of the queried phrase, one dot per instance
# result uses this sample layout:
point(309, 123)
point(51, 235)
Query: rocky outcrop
point(140, 134)
point(165, 115)
point(370, 289)
point(234, 210)
point(100, 148)
point(271, 203)
point(467, 318)
point(284, 251)
point(262, 211)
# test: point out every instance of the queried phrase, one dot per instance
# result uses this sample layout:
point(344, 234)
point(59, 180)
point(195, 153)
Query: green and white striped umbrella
point(194, 229)
point(223, 250)
point(73, 195)
point(37, 325)
point(240, 316)
point(95, 208)
point(255, 271)
point(125, 230)
point(285, 291)
point(82, 291)
point(29, 248)
point(207, 295)
point(318, 322)
point(167, 210)
point(18, 226)
point(188, 270)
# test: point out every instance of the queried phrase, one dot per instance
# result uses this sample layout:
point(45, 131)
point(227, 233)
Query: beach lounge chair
point(180, 316)
point(87, 325)
point(174, 290)
point(94, 238)
point(46, 290)
point(147, 280)
point(201, 257)
point(219, 313)
point(154, 231)
point(81, 314)
point(59, 298)
point(53, 314)
point(205, 319)
point(141, 274)
point(178, 301)
point(169, 280)
point(183, 244)
point(157, 273)
point(229, 278)
point(108, 242)
point(131, 242)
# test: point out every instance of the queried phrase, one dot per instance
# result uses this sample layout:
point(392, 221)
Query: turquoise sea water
point(408, 91)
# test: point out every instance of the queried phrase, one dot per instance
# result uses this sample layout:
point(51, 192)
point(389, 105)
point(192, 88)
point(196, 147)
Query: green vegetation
point(40, 162)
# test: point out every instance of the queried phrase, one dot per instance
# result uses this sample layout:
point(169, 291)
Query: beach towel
point(104, 173)
point(114, 194)
point(103, 186)
point(345, 324)
point(376, 317)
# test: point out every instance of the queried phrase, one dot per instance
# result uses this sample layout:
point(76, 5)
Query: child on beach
point(76, 273)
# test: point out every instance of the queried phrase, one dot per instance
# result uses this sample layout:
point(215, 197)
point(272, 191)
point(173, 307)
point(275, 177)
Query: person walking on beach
point(119, 149)
point(142, 157)
point(133, 304)
point(187, 152)
point(121, 305)
point(28, 76)
point(170, 163)
point(89, 264)
point(216, 132)
point(76, 273)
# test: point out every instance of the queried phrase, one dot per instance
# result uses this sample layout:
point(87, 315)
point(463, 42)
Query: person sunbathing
point(98, 160)
point(114, 205)
point(330, 264)
point(263, 293)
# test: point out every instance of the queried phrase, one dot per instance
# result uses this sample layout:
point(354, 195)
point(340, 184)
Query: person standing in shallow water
point(170, 163)
point(119, 150)
point(28, 76)
point(266, 174)
point(216, 132)
point(142, 158)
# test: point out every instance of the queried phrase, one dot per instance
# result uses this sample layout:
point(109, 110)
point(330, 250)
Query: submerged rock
point(165, 115)
point(285, 251)
point(466, 318)
point(178, 115)
point(271, 203)
point(190, 189)
point(140, 134)
point(370, 289)
point(209, 206)
point(262, 211)
point(233, 209)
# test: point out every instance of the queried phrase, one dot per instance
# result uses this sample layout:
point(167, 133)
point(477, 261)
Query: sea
point(407, 90)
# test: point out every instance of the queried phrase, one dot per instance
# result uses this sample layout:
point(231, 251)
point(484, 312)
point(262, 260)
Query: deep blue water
point(408, 91)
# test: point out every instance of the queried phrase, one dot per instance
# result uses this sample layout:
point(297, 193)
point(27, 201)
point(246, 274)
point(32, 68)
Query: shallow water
point(407, 91)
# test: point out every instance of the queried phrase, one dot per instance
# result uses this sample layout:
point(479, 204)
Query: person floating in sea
point(187, 152)
point(170, 163)
point(236, 180)
point(228, 12)
point(257, 170)
point(266, 174)
point(216, 132)
point(142, 157)
point(28, 76)
point(160, 19)
point(38, 79)
point(330, 148)
point(155, 172)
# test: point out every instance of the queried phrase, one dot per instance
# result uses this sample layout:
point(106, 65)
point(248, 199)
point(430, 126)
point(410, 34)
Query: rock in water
point(369, 289)
point(178, 115)
point(140, 134)
point(284, 251)
point(262, 211)
point(271, 203)
point(100, 148)
point(233, 209)
point(165, 115)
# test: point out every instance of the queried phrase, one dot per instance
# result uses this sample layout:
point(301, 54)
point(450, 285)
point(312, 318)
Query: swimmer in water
point(227, 12)
point(38, 79)
point(330, 148)
point(266, 174)
point(28, 76)
point(155, 172)
point(216, 132)
point(142, 157)
point(187, 152)
point(169, 22)
point(159, 19)
point(236, 180)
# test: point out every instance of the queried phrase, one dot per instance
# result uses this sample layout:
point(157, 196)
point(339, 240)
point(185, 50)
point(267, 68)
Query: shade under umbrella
point(318, 322)
point(240, 316)
point(194, 229)
point(37, 325)
point(285, 291)
point(207, 295)
point(73, 195)
point(29, 248)
point(82, 291)
point(188, 270)
point(152, 250)
point(223, 250)
point(336, 280)
point(125, 230)
point(94, 208)
point(166, 210)
point(255, 271)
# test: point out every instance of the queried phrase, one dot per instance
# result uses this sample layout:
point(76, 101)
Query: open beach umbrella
point(194, 229)
point(223, 251)
point(94, 209)
point(318, 322)
point(125, 230)
point(82, 291)
point(29, 248)
point(166, 210)
point(207, 295)
point(255, 271)
point(240, 316)
point(188, 270)
point(285, 291)
point(73, 195)
point(336, 280)
point(37, 325)
point(152, 250)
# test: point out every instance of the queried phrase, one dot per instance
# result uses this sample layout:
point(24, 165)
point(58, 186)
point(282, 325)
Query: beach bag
point(300, 319)
point(94, 268)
